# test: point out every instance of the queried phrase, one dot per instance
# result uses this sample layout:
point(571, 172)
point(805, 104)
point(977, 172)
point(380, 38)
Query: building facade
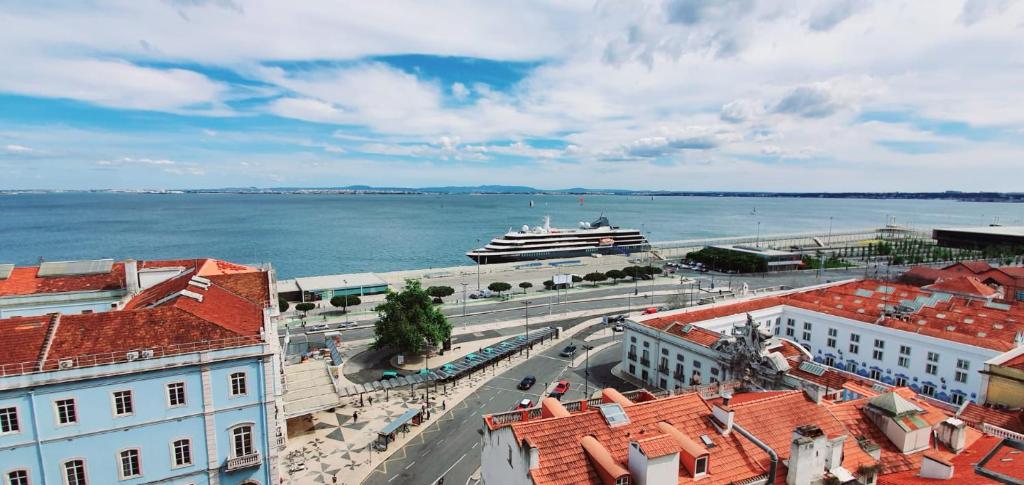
point(933, 342)
point(178, 386)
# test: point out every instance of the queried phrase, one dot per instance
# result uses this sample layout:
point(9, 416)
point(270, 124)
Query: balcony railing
point(631, 357)
point(645, 362)
point(677, 376)
point(663, 369)
point(244, 461)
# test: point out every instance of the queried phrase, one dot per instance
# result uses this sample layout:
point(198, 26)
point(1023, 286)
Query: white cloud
point(136, 161)
point(12, 148)
point(460, 91)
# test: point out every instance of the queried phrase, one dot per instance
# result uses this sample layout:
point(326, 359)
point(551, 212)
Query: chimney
point(551, 408)
point(723, 418)
point(834, 458)
point(131, 277)
point(726, 397)
point(611, 395)
point(936, 468)
point(807, 455)
point(953, 433)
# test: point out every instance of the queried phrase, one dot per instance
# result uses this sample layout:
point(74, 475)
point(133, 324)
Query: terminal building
point(775, 259)
point(316, 288)
point(983, 237)
point(140, 372)
point(935, 340)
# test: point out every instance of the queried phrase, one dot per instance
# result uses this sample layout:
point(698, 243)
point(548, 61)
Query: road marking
point(474, 445)
point(442, 441)
point(392, 478)
point(449, 468)
point(410, 465)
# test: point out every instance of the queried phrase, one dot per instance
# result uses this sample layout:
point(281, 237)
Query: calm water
point(322, 234)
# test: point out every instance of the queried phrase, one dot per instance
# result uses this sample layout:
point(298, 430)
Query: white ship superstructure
point(546, 242)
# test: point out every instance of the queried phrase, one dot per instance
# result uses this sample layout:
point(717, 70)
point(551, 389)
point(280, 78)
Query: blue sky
point(667, 94)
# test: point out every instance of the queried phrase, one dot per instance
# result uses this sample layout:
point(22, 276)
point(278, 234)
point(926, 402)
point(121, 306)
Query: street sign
point(562, 279)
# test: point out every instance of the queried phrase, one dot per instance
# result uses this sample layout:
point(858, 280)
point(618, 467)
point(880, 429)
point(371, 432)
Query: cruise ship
point(546, 242)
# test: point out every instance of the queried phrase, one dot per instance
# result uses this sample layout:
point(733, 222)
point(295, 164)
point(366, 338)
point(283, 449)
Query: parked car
point(617, 319)
point(568, 351)
point(649, 311)
point(645, 276)
point(560, 389)
point(318, 327)
point(524, 404)
point(527, 383)
point(618, 328)
point(389, 374)
point(481, 294)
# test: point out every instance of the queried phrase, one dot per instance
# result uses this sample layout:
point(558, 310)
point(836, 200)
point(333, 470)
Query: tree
point(615, 275)
point(282, 304)
point(549, 284)
point(595, 277)
point(499, 287)
point(345, 301)
point(304, 307)
point(525, 286)
point(576, 279)
point(631, 271)
point(407, 321)
point(440, 291)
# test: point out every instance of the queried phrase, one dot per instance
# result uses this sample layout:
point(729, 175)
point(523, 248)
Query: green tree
point(440, 291)
point(549, 284)
point(525, 286)
point(595, 277)
point(499, 287)
point(408, 321)
point(631, 271)
point(576, 279)
point(304, 307)
point(345, 301)
point(615, 275)
point(282, 304)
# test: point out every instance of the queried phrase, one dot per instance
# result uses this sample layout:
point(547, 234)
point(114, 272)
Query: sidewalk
point(337, 443)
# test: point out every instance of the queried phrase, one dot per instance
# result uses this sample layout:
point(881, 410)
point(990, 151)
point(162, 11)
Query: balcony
point(631, 357)
point(663, 369)
point(645, 362)
point(677, 376)
point(244, 461)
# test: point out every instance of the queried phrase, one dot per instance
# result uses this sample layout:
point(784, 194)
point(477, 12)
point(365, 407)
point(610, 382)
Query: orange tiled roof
point(660, 445)
point(969, 266)
point(963, 466)
point(974, 415)
point(1007, 461)
point(954, 318)
point(21, 338)
point(24, 280)
point(1015, 363)
point(962, 285)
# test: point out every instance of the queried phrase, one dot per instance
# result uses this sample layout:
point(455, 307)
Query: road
point(451, 446)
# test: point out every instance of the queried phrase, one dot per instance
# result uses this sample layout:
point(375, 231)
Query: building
point(177, 384)
point(315, 288)
point(749, 438)
point(775, 259)
point(1007, 281)
point(934, 341)
point(982, 237)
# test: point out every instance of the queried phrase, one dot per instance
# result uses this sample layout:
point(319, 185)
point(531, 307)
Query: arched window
point(74, 472)
point(241, 441)
point(17, 477)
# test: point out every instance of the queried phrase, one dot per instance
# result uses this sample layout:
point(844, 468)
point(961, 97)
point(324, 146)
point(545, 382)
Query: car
point(645, 276)
point(524, 404)
point(617, 319)
point(481, 294)
point(561, 388)
point(527, 383)
point(318, 327)
point(618, 328)
point(649, 311)
point(389, 374)
point(568, 351)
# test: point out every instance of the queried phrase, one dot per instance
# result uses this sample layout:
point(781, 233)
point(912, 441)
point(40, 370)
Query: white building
point(932, 340)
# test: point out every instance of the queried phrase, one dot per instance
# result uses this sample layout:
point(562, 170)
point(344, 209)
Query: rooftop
point(898, 306)
point(989, 230)
point(26, 280)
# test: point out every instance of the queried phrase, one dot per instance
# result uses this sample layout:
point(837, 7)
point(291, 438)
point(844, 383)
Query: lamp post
point(586, 375)
point(478, 268)
point(463, 302)
point(527, 305)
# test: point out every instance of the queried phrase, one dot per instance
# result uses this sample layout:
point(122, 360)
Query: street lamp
point(527, 304)
point(463, 302)
point(478, 268)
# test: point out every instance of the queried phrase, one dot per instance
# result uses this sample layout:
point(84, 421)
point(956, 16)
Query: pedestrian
point(442, 405)
point(440, 481)
point(355, 416)
point(334, 479)
point(371, 400)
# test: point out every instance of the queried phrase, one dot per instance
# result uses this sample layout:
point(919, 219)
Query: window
point(130, 466)
point(696, 364)
point(74, 472)
point(680, 372)
point(928, 390)
point(632, 339)
point(807, 335)
point(9, 420)
point(632, 353)
point(901, 381)
point(931, 368)
point(777, 329)
point(241, 440)
point(830, 361)
point(963, 364)
point(176, 394)
point(903, 361)
point(122, 403)
point(238, 384)
point(644, 374)
point(832, 332)
point(933, 357)
point(632, 369)
point(17, 477)
point(807, 325)
point(957, 399)
point(789, 332)
point(854, 348)
point(851, 366)
point(509, 455)
point(623, 480)
point(700, 466)
point(960, 376)
point(182, 452)
point(831, 343)
point(875, 374)
point(854, 338)
point(647, 345)
point(879, 344)
point(904, 350)
point(1020, 295)
point(876, 354)
point(66, 412)
point(679, 358)
point(664, 351)
point(790, 322)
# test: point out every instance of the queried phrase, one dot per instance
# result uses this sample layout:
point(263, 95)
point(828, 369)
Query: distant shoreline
point(1011, 197)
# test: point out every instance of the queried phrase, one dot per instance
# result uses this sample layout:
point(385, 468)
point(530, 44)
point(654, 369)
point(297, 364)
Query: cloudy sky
point(788, 95)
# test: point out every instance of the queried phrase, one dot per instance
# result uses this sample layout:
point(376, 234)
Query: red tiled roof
point(24, 280)
point(253, 286)
point(963, 466)
point(1007, 461)
point(962, 285)
point(974, 267)
point(658, 446)
point(959, 319)
point(21, 339)
point(731, 459)
point(1014, 363)
point(974, 415)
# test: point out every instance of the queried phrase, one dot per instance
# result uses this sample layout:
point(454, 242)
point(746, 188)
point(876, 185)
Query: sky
point(780, 95)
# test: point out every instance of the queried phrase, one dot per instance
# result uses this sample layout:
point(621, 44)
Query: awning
point(399, 422)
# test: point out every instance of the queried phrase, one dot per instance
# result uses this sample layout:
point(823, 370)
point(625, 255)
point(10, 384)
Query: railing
point(631, 357)
point(506, 418)
point(677, 375)
point(663, 369)
point(244, 461)
point(93, 360)
point(1001, 432)
point(574, 406)
point(645, 362)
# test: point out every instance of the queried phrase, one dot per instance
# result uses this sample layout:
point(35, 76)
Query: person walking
point(442, 405)
point(355, 416)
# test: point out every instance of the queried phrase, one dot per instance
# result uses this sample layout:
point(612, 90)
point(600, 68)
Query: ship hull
point(485, 258)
